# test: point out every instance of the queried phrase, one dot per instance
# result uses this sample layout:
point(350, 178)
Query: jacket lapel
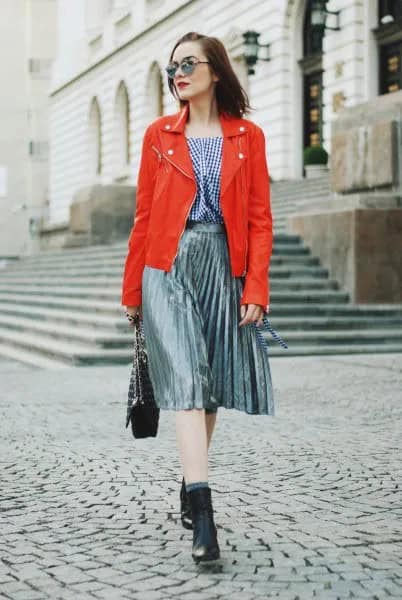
point(175, 148)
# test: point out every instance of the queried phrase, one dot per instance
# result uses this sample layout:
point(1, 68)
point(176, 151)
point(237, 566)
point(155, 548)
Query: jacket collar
point(177, 122)
point(176, 149)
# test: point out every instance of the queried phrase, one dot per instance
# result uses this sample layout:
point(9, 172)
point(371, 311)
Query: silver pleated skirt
point(198, 355)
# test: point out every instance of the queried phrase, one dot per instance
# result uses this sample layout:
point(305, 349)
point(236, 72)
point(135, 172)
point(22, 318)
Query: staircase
point(62, 308)
point(289, 196)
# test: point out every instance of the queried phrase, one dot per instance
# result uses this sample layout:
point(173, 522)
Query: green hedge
point(315, 155)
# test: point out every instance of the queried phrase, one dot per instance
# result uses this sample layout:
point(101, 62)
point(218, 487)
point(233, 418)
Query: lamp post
point(251, 49)
point(319, 15)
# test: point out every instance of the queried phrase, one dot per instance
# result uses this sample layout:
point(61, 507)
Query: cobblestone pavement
point(308, 503)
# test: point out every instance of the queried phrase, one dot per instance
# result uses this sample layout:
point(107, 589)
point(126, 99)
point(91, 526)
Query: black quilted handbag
point(142, 410)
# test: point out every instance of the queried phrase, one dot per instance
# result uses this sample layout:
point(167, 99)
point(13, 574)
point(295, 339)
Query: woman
point(197, 265)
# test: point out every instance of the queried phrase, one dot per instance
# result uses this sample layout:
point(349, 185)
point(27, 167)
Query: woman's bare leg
point(210, 419)
point(192, 442)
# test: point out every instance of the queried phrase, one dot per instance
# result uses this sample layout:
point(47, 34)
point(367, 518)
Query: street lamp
point(319, 15)
point(251, 48)
point(386, 19)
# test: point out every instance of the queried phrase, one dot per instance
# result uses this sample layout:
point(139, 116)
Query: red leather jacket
point(166, 189)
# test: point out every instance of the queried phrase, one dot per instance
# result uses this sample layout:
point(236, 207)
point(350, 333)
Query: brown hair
point(230, 95)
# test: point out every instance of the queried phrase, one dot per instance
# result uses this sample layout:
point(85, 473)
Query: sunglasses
point(186, 66)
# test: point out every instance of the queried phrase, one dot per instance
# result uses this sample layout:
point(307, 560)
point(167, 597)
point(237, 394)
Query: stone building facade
point(109, 80)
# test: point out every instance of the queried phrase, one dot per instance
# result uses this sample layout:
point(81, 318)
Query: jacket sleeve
point(260, 235)
point(135, 259)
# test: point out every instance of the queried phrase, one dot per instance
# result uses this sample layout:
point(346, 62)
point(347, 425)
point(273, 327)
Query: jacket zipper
point(160, 156)
point(157, 152)
point(177, 167)
point(188, 212)
point(185, 221)
point(243, 198)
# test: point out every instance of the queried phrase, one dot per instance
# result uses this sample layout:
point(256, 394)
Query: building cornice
point(132, 40)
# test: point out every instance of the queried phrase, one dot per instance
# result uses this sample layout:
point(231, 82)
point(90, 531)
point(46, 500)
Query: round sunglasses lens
point(187, 68)
point(171, 71)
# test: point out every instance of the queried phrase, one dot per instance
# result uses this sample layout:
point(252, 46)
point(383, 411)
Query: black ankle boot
point(185, 508)
point(205, 543)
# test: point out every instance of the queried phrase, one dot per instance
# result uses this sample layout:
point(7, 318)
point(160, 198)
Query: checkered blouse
point(206, 154)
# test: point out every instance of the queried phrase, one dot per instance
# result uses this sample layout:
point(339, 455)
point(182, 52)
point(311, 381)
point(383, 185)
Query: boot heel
point(205, 542)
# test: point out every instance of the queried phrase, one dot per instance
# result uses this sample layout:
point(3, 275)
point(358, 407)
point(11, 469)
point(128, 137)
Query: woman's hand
point(250, 313)
point(131, 311)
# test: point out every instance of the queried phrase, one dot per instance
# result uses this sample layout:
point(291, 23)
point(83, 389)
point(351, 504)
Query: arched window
point(389, 40)
point(122, 127)
point(95, 138)
point(311, 65)
point(154, 97)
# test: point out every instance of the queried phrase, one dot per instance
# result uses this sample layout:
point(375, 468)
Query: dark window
point(390, 68)
point(389, 39)
point(313, 109)
point(311, 65)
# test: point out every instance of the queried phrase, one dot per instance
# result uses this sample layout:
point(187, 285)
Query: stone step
point(114, 322)
point(69, 352)
point(307, 295)
point(304, 187)
point(297, 197)
point(391, 318)
point(75, 304)
point(16, 285)
point(117, 257)
point(335, 350)
point(27, 357)
point(309, 186)
point(284, 206)
point(121, 248)
point(59, 331)
point(295, 309)
point(124, 339)
point(353, 322)
point(325, 337)
point(75, 353)
point(118, 249)
point(283, 210)
point(92, 276)
point(117, 263)
point(303, 310)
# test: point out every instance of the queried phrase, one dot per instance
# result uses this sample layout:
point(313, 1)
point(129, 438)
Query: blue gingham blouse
point(206, 156)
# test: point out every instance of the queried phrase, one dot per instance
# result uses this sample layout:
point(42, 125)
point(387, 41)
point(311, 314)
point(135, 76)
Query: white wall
point(71, 40)
point(27, 32)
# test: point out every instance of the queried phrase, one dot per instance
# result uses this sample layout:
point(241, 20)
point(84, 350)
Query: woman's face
point(201, 80)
